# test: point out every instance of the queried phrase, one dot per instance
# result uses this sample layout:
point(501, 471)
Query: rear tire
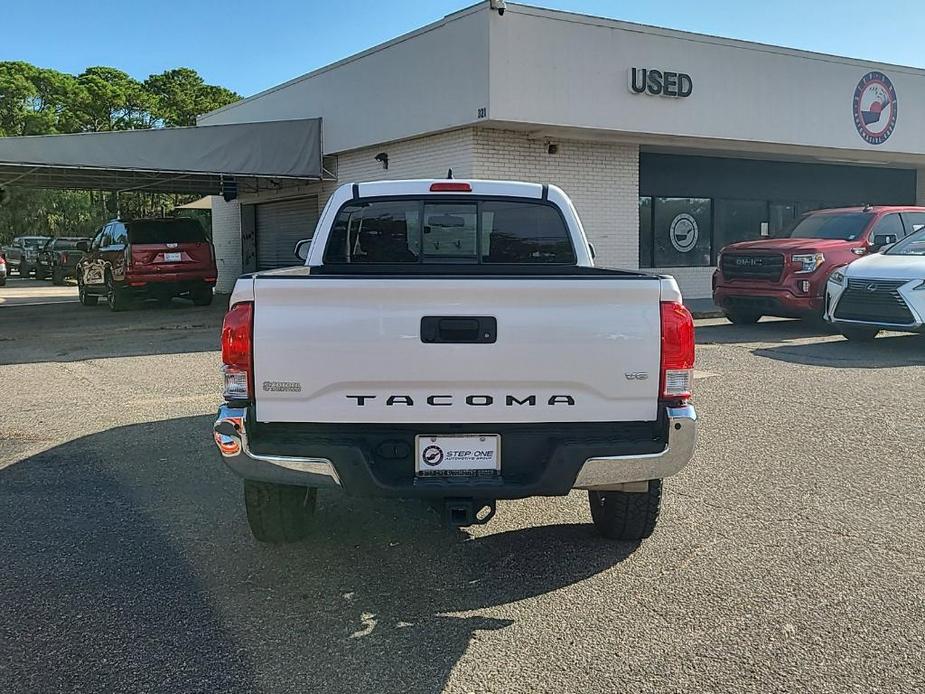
point(627, 516)
point(85, 298)
point(115, 296)
point(201, 296)
point(858, 334)
point(279, 513)
point(742, 317)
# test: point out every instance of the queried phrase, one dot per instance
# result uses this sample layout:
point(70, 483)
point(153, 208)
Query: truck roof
point(876, 209)
point(444, 186)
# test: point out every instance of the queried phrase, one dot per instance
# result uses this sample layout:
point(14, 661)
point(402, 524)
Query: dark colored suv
point(58, 258)
point(147, 258)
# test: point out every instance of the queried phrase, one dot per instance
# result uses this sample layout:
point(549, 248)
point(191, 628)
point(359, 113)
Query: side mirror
point(882, 240)
point(301, 248)
point(83, 246)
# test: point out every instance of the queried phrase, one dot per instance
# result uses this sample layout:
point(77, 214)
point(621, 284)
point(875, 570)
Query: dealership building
point(670, 144)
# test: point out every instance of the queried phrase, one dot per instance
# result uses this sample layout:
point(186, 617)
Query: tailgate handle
point(459, 329)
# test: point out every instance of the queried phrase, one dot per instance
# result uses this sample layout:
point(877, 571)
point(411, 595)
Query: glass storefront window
point(738, 220)
point(682, 232)
point(780, 216)
point(805, 206)
point(690, 232)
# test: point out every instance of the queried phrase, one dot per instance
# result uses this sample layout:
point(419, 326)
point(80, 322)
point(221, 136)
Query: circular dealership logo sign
point(683, 233)
point(875, 107)
point(432, 455)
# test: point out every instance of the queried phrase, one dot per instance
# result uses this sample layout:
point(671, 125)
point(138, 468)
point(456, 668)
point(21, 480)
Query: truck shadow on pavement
point(71, 332)
point(887, 351)
point(129, 566)
point(783, 330)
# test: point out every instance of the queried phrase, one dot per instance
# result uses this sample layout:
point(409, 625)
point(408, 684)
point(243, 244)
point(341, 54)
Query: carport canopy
point(197, 159)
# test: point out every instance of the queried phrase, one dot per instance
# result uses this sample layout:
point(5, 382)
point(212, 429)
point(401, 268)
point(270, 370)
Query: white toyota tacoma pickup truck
point(452, 340)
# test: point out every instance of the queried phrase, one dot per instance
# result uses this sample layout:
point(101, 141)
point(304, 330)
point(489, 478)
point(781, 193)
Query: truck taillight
point(677, 364)
point(237, 351)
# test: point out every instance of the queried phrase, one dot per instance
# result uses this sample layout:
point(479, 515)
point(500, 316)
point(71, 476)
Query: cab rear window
point(434, 230)
point(165, 231)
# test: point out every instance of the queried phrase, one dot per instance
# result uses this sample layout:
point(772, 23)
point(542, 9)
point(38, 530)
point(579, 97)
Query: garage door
point(279, 225)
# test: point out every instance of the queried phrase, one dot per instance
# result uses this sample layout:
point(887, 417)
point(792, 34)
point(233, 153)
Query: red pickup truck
point(786, 276)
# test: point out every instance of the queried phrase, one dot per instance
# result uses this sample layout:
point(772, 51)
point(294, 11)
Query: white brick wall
point(421, 157)
point(226, 236)
point(602, 179)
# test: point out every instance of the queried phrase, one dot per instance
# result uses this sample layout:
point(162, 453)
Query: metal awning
point(174, 160)
point(203, 203)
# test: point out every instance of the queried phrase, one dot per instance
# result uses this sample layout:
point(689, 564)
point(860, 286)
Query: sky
point(250, 46)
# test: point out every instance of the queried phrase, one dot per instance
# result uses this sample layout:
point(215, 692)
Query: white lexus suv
point(883, 291)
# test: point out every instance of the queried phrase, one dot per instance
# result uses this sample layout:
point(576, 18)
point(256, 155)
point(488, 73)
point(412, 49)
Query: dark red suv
point(786, 276)
point(147, 258)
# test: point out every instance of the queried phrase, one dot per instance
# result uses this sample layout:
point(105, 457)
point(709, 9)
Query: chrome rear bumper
point(616, 471)
point(231, 438)
point(599, 473)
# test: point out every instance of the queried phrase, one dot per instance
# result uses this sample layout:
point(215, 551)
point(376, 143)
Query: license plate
point(458, 456)
point(172, 257)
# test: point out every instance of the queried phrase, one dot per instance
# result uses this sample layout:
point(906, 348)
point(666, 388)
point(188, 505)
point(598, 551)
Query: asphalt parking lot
point(790, 555)
point(29, 292)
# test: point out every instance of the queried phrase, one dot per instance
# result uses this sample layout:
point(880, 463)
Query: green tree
point(36, 101)
point(181, 95)
point(110, 99)
point(51, 212)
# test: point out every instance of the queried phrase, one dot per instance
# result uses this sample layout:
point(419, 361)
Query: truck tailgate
point(349, 349)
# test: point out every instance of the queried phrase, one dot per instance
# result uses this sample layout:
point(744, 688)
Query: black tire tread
point(279, 513)
point(119, 300)
point(626, 515)
point(85, 298)
point(742, 317)
point(201, 296)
